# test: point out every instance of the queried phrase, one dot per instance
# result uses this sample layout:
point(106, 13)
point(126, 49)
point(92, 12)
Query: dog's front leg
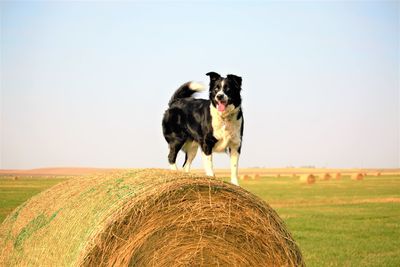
point(206, 149)
point(208, 164)
point(234, 166)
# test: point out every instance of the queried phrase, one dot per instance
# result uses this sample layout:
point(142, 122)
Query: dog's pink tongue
point(221, 107)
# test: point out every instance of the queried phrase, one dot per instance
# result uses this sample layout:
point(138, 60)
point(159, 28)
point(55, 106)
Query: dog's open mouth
point(221, 105)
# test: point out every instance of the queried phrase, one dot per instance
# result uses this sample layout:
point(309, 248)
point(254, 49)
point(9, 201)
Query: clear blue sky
point(86, 83)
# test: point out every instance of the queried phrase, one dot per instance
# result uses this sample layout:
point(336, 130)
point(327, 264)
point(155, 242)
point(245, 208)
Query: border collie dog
point(214, 125)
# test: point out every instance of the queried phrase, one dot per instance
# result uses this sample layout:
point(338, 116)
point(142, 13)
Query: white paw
point(235, 181)
point(210, 174)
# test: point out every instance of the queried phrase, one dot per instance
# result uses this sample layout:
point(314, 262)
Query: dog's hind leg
point(191, 150)
point(174, 148)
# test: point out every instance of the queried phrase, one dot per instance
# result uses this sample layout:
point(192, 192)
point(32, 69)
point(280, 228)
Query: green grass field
point(339, 223)
point(15, 192)
point(336, 223)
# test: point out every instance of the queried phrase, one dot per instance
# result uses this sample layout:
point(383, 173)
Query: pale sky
point(86, 83)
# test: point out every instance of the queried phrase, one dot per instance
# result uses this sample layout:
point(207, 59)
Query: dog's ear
point(236, 79)
point(213, 76)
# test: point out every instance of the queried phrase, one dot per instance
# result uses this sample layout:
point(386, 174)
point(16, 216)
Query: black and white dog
point(216, 125)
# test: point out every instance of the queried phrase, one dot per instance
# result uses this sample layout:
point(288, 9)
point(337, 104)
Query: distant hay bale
point(15, 178)
point(245, 177)
point(307, 178)
point(357, 176)
point(146, 218)
point(338, 176)
point(326, 176)
point(256, 176)
point(378, 174)
point(278, 176)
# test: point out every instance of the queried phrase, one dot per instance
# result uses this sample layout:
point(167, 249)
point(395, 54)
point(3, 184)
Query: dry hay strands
point(357, 176)
point(326, 176)
point(338, 176)
point(307, 178)
point(146, 218)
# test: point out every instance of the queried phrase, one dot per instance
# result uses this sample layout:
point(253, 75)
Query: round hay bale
point(256, 176)
point(357, 176)
point(146, 218)
point(15, 178)
point(326, 176)
point(338, 176)
point(245, 177)
point(307, 178)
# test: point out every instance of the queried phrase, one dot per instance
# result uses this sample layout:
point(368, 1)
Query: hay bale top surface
point(146, 218)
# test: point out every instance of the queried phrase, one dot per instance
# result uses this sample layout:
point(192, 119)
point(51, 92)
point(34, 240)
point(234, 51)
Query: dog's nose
point(220, 97)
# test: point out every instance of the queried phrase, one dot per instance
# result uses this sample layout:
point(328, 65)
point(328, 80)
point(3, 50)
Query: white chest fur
point(226, 128)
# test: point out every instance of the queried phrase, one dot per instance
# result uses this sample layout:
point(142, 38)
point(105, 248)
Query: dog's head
point(225, 92)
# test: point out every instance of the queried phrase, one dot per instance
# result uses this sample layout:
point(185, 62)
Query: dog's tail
point(186, 90)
